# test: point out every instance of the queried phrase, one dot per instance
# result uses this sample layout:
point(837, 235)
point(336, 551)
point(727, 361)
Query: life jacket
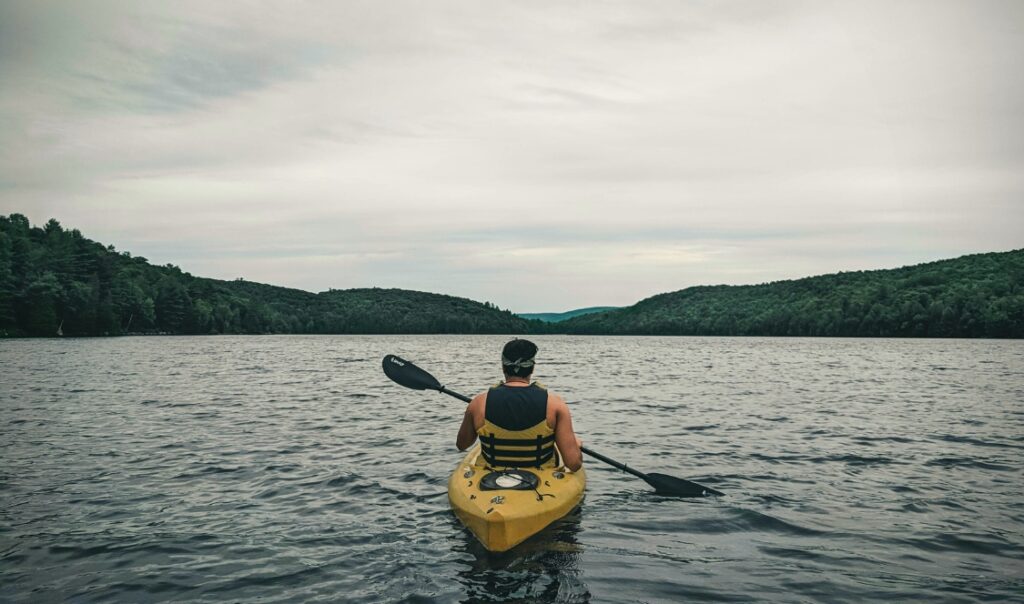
point(515, 433)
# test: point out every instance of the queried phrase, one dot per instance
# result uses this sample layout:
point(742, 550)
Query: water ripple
point(284, 469)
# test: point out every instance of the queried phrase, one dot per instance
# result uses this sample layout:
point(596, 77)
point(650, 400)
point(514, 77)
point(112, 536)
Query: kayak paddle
point(409, 375)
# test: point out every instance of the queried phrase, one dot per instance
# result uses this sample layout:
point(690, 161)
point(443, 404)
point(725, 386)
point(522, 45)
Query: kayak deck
point(502, 518)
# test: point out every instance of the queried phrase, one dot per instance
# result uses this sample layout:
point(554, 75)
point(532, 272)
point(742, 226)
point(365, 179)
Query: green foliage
point(978, 296)
point(53, 278)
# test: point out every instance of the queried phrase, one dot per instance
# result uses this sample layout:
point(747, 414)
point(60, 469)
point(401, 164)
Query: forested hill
point(972, 296)
point(53, 279)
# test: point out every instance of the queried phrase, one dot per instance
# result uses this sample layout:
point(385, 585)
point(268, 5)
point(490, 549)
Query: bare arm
point(467, 432)
point(565, 438)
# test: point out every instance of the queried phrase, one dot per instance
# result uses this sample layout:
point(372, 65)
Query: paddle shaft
point(612, 462)
point(594, 454)
point(409, 375)
point(461, 397)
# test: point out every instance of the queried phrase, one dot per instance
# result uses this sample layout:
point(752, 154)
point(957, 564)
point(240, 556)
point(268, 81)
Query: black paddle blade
point(677, 487)
point(405, 373)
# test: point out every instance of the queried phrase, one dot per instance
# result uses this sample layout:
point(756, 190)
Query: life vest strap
point(517, 442)
point(513, 453)
point(534, 452)
point(510, 463)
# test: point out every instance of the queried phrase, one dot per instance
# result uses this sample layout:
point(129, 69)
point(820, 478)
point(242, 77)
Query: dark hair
point(517, 358)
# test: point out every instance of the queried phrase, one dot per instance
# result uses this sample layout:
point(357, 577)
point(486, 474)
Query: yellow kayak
point(504, 508)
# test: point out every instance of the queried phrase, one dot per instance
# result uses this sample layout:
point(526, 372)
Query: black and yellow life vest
point(515, 433)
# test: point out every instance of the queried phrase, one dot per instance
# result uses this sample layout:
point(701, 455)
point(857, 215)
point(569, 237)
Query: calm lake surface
point(288, 468)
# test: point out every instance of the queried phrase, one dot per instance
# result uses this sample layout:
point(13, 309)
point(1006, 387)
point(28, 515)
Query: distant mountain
point(980, 296)
point(555, 317)
point(55, 281)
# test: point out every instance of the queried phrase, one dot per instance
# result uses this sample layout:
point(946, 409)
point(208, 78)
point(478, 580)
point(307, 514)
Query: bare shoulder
point(557, 402)
point(476, 406)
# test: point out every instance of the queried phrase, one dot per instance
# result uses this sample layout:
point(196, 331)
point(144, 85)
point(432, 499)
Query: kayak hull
point(501, 519)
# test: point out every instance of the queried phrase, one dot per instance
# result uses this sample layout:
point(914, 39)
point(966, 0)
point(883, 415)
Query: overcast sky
point(539, 155)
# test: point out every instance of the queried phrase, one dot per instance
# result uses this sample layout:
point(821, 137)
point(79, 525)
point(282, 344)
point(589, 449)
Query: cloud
point(541, 156)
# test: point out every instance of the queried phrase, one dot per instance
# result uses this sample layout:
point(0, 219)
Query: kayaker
point(518, 421)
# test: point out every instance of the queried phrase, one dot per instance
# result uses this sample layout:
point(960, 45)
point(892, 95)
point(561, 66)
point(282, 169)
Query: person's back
point(518, 422)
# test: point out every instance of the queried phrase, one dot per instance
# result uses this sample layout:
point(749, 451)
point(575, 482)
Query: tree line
point(55, 281)
point(976, 296)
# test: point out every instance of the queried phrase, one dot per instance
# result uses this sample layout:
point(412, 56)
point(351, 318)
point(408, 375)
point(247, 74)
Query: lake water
point(285, 469)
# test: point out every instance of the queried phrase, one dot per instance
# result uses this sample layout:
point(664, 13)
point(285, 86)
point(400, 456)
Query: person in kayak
point(519, 423)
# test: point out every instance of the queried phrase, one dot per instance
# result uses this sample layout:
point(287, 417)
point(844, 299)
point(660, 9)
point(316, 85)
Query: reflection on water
point(545, 568)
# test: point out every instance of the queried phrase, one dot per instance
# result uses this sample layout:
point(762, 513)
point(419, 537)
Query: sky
point(541, 156)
